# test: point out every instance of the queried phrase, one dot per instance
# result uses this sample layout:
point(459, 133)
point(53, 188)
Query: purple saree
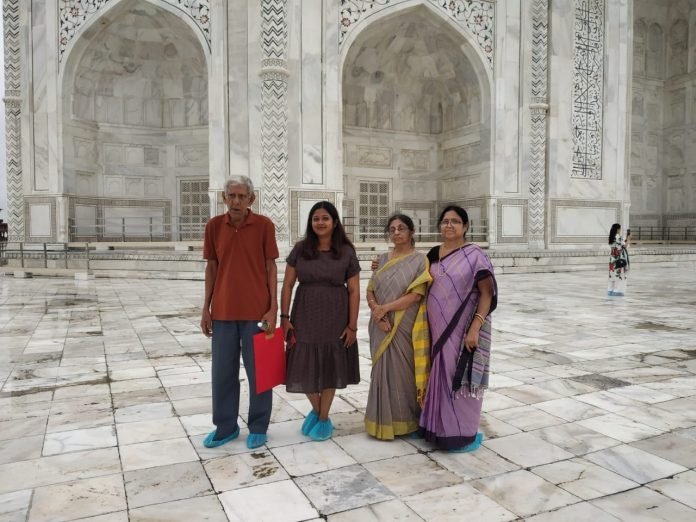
point(450, 418)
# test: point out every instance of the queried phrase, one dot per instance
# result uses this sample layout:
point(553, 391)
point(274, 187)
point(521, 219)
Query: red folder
point(269, 360)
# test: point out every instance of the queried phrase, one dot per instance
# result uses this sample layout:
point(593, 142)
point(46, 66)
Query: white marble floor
point(105, 400)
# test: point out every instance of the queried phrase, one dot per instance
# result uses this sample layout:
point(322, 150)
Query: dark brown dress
point(319, 360)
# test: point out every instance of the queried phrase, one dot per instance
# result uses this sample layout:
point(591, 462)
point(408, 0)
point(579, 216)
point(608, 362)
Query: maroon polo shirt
point(241, 287)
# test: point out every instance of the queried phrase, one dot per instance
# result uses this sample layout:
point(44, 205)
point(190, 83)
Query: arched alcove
point(416, 120)
point(135, 126)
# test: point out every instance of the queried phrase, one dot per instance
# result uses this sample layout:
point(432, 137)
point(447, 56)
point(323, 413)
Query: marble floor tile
point(680, 487)
point(566, 387)
point(78, 499)
point(619, 427)
point(143, 412)
point(381, 512)
point(607, 400)
point(139, 397)
point(14, 506)
point(24, 448)
point(581, 512)
point(79, 440)
point(526, 449)
point(80, 420)
point(524, 493)
point(312, 457)
point(364, 448)
point(479, 464)
point(118, 516)
point(575, 438)
point(495, 401)
point(527, 376)
point(343, 489)
point(643, 394)
point(398, 475)
point(198, 405)
point(166, 483)
point(189, 391)
point(670, 446)
point(206, 509)
point(459, 502)
point(252, 503)
point(634, 464)
point(493, 427)
point(246, 469)
point(526, 418)
point(570, 409)
point(583, 479)
point(43, 471)
point(135, 384)
point(149, 431)
point(645, 505)
point(197, 424)
point(287, 433)
point(159, 453)
point(529, 393)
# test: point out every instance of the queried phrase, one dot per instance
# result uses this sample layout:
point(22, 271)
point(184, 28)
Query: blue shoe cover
point(210, 442)
point(254, 440)
point(322, 430)
point(310, 421)
point(476, 444)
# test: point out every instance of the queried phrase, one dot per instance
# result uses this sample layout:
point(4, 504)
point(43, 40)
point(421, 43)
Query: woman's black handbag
point(620, 263)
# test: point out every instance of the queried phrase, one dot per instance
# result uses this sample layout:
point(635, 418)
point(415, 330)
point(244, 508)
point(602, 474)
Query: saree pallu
point(400, 361)
point(451, 419)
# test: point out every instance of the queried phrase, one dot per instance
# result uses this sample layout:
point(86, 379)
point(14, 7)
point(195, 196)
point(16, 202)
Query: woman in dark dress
point(321, 331)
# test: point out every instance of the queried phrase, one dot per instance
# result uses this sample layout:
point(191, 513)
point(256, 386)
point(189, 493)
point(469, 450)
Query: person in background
point(399, 340)
point(460, 300)
point(322, 353)
point(618, 261)
point(240, 249)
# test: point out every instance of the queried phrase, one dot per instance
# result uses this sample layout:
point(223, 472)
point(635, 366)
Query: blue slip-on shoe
point(322, 430)
point(254, 440)
point(619, 294)
point(415, 435)
point(611, 293)
point(210, 442)
point(310, 421)
point(470, 447)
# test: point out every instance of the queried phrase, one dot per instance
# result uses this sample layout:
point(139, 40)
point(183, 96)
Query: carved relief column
point(538, 108)
point(274, 130)
point(13, 122)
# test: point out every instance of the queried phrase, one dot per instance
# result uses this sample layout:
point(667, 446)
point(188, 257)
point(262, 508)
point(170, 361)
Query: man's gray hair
point(240, 180)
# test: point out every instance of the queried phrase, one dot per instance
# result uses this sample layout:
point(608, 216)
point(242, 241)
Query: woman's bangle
point(480, 318)
point(284, 316)
point(352, 329)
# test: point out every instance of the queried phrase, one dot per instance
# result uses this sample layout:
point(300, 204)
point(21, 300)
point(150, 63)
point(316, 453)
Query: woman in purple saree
point(461, 297)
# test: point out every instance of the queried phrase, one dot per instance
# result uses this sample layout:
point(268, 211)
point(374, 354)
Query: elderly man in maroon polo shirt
point(240, 290)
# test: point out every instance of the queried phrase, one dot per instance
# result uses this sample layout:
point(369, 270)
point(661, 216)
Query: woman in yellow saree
point(399, 339)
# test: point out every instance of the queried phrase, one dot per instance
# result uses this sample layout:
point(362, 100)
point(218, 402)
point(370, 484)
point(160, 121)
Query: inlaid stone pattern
point(74, 13)
point(475, 15)
point(588, 89)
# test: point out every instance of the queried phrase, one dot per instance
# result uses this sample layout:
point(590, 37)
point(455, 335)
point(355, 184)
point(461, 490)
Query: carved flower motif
point(345, 22)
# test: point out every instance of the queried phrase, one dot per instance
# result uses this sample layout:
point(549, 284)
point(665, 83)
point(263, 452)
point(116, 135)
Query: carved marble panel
point(192, 155)
point(588, 89)
point(415, 159)
point(477, 16)
point(74, 13)
point(369, 157)
point(85, 149)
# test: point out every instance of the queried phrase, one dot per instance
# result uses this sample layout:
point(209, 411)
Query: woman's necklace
point(442, 269)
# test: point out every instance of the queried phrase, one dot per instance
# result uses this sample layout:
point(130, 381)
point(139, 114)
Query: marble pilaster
point(274, 130)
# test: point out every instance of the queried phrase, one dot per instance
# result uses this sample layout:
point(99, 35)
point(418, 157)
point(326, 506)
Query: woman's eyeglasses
point(396, 230)
point(453, 222)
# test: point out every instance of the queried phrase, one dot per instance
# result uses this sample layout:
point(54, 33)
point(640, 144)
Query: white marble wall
point(663, 165)
point(476, 150)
